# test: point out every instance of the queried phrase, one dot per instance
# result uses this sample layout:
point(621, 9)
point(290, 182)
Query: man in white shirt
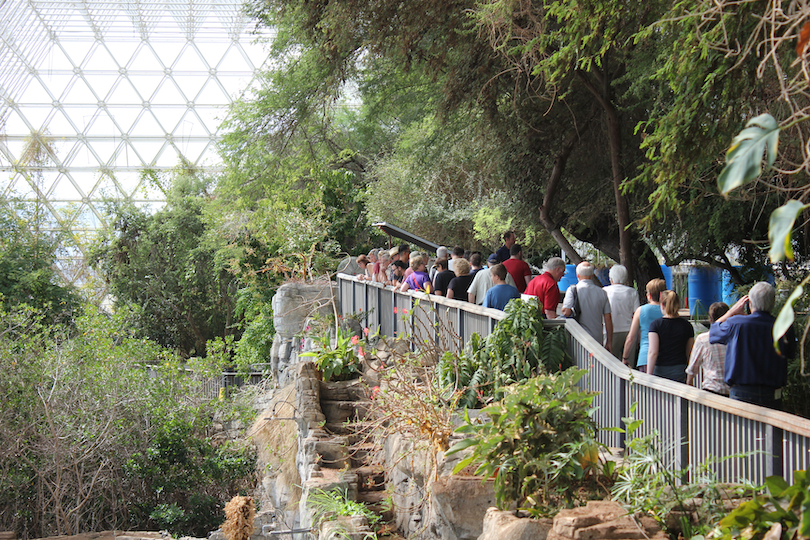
point(623, 303)
point(593, 304)
point(482, 282)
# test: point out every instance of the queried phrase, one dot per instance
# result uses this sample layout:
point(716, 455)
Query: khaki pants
point(618, 348)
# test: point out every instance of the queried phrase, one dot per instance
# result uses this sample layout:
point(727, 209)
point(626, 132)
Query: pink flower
point(365, 331)
point(395, 310)
point(361, 352)
point(404, 311)
point(355, 340)
point(375, 391)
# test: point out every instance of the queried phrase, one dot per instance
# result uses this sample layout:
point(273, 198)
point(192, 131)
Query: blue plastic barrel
point(570, 277)
point(667, 271)
point(727, 286)
point(603, 275)
point(704, 289)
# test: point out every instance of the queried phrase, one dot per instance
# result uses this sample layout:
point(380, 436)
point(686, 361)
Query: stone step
point(377, 502)
point(359, 453)
point(370, 478)
point(354, 390)
point(338, 412)
point(355, 432)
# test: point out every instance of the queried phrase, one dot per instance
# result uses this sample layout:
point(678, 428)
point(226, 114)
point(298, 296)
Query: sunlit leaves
point(779, 230)
point(786, 316)
point(744, 157)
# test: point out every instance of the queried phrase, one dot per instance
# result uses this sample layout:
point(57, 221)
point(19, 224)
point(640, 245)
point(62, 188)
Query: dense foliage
point(164, 263)
point(27, 275)
point(101, 429)
point(539, 445)
point(519, 347)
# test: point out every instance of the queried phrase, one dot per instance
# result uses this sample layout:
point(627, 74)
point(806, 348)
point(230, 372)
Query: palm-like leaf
point(744, 157)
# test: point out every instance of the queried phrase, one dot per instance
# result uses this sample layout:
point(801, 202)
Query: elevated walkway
point(737, 441)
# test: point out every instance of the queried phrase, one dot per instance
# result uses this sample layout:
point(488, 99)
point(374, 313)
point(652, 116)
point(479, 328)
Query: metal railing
point(734, 440)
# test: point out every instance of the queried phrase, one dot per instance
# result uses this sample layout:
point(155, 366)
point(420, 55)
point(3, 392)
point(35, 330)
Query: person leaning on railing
point(755, 372)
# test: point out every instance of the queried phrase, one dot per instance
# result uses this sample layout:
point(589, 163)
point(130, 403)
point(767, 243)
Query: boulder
point(459, 504)
point(603, 520)
point(502, 524)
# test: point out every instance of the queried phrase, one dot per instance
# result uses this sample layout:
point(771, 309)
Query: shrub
point(338, 363)
point(100, 428)
point(783, 513)
point(519, 347)
point(539, 445)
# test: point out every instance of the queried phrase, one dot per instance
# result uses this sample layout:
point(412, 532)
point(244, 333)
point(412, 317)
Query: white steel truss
point(93, 93)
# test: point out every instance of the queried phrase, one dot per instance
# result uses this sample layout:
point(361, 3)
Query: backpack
point(576, 309)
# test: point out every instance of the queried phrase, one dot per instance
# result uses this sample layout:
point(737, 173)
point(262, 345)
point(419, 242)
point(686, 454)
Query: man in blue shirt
point(503, 251)
point(500, 294)
point(755, 372)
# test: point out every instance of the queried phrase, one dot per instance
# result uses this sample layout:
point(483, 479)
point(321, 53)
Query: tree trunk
point(551, 191)
point(602, 93)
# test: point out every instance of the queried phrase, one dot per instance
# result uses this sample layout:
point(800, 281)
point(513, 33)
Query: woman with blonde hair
point(458, 285)
point(418, 277)
point(671, 339)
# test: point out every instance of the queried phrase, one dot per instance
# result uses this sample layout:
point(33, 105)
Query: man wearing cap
point(482, 282)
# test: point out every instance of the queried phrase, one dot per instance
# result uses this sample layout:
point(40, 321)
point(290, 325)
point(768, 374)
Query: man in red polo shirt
point(545, 287)
point(518, 268)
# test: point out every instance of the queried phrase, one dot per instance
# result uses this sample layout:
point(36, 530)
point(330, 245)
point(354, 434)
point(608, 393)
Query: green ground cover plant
point(781, 513)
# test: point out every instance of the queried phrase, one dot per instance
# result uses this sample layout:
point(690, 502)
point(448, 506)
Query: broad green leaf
point(785, 318)
point(461, 445)
point(744, 157)
point(776, 485)
point(463, 463)
point(779, 230)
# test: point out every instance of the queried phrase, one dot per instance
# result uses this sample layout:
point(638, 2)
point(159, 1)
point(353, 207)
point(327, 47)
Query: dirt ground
point(114, 535)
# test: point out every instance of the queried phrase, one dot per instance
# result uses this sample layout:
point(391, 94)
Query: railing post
point(683, 437)
point(774, 451)
point(460, 324)
point(379, 308)
point(354, 297)
point(394, 303)
point(622, 411)
point(340, 295)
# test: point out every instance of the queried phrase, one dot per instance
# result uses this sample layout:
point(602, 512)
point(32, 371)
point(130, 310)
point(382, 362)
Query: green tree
point(27, 258)
point(166, 263)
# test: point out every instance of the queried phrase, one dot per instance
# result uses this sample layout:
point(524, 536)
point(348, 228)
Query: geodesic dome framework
point(93, 93)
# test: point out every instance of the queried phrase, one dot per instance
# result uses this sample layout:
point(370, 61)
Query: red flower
point(375, 391)
point(395, 310)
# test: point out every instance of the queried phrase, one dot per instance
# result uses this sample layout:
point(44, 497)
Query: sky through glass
point(93, 93)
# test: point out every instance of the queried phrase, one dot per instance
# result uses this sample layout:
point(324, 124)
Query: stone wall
point(293, 304)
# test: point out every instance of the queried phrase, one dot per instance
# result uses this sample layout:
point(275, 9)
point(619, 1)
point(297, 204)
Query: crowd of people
point(737, 356)
point(456, 274)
